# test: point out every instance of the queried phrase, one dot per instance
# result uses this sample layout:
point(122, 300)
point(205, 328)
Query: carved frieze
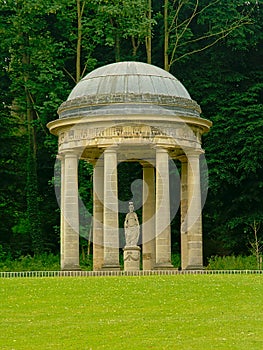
point(126, 132)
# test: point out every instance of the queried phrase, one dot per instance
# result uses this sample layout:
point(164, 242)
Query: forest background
point(213, 47)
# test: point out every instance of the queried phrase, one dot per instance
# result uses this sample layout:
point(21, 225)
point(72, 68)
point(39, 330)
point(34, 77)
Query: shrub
point(232, 263)
point(43, 262)
point(87, 263)
point(176, 260)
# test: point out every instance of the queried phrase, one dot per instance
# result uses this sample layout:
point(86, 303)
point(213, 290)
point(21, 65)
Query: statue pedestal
point(131, 258)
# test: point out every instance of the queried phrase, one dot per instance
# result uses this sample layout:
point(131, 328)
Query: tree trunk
point(32, 194)
point(32, 187)
point(117, 47)
point(79, 38)
point(135, 46)
point(166, 36)
point(148, 39)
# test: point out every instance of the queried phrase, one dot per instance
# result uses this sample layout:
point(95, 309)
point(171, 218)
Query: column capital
point(146, 164)
point(182, 158)
point(111, 149)
point(60, 156)
point(195, 152)
point(160, 149)
point(70, 153)
point(98, 163)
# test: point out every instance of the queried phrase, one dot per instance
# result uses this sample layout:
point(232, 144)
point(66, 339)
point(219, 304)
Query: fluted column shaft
point(70, 225)
point(148, 210)
point(110, 215)
point(194, 213)
point(184, 205)
point(98, 184)
point(162, 223)
point(62, 200)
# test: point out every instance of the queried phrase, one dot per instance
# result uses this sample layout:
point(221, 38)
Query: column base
point(97, 264)
point(70, 268)
point(147, 261)
point(164, 266)
point(107, 267)
point(194, 267)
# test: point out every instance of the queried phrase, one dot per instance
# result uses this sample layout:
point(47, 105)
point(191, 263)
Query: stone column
point(162, 212)
point(98, 250)
point(62, 196)
point(110, 216)
point(70, 236)
point(184, 204)
point(148, 218)
point(194, 213)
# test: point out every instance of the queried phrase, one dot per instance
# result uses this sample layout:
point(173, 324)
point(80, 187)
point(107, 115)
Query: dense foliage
point(214, 47)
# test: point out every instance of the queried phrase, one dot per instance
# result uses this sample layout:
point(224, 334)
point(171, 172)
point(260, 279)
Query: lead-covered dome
point(129, 78)
point(128, 88)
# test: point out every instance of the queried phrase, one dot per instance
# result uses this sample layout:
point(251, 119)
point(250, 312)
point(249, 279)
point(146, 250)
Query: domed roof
point(128, 100)
point(128, 88)
point(129, 78)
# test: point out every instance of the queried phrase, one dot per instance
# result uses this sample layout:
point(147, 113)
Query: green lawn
point(151, 312)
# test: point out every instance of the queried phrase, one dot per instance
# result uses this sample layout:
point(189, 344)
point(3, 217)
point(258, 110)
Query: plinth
point(131, 258)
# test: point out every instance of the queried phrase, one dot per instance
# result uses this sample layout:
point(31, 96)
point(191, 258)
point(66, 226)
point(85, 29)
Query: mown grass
point(150, 312)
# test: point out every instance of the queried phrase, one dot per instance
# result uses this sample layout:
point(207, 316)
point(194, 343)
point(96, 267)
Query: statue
point(131, 227)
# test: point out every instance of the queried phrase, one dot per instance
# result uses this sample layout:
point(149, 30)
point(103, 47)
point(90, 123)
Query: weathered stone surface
point(131, 258)
point(131, 227)
point(131, 111)
point(110, 213)
point(148, 217)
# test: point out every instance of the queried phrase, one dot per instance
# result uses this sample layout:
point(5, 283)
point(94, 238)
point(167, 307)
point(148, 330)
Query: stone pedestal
point(131, 258)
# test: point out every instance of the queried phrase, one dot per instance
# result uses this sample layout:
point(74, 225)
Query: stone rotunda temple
point(131, 111)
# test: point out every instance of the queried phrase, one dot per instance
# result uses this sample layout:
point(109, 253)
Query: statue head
point(131, 207)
